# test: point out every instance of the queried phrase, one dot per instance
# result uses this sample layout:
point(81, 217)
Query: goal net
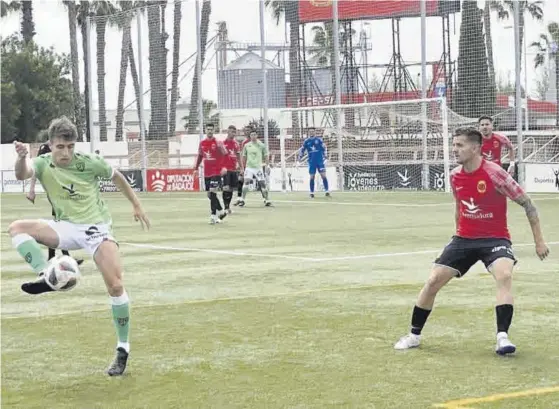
point(395, 145)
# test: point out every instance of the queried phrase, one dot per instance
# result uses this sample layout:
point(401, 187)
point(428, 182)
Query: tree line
point(39, 83)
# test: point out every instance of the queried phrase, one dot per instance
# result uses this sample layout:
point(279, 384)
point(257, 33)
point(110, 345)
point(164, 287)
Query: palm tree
point(177, 15)
point(290, 11)
point(27, 24)
point(157, 72)
point(74, 59)
point(505, 8)
point(548, 46)
point(209, 111)
point(7, 7)
point(194, 95)
point(103, 11)
point(123, 21)
point(84, 13)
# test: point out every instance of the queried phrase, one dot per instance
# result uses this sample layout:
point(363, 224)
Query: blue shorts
point(316, 166)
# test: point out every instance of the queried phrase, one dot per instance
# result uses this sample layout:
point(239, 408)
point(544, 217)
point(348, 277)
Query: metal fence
point(161, 71)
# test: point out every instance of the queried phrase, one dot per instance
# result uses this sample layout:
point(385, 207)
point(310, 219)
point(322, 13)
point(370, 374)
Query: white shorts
point(256, 173)
point(81, 236)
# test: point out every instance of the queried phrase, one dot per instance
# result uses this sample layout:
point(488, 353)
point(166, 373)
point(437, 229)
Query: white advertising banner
point(542, 177)
point(11, 185)
point(297, 179)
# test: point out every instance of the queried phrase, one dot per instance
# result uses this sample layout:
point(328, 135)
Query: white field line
point(284, 256)
point(225, 252)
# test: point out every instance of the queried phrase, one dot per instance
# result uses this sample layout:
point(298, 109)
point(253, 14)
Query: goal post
point(379, 145)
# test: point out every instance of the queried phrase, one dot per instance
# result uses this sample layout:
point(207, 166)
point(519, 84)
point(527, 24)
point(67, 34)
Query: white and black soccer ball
point(62, 274)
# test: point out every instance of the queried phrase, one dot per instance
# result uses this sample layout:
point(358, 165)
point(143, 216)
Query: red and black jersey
point(233, 149)
point(482, 200)
point(212, 153)
point(492, 147)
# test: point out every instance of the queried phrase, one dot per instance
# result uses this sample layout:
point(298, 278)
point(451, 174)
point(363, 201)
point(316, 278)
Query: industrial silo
point(240, 84)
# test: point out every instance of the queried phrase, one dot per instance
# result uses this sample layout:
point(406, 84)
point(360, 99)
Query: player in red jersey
point(493, 143)
point(212, 152)
point(232, 161)
point(480, 189)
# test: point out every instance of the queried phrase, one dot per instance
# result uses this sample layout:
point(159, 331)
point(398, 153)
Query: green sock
point(245, 191)
point(121, 318)
point(29, 249)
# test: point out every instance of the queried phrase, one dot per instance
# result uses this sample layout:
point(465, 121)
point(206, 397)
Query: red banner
point(321, 10)
point(172, 180)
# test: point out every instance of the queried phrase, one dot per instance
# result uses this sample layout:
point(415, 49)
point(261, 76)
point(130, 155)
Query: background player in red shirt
point(212, 152)
point(492, 146)
point(231, 162)
point(480, 189)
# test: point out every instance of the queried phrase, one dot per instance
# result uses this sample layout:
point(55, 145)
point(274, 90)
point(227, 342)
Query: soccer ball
point(62, 273)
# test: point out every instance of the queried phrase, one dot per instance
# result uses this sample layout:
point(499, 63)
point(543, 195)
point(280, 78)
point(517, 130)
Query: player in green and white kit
point(255, 161)
point(82, 220)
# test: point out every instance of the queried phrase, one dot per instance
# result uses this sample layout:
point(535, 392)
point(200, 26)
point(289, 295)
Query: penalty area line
point(461, 403)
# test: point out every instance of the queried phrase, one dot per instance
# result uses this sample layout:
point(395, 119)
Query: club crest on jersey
point(496, 144)
point(80, 166)
point(481, 186)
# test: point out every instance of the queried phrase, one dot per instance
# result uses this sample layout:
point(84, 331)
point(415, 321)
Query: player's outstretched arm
point(532, 214)
point(22, 167)
point(508, 187)
point(126, 189)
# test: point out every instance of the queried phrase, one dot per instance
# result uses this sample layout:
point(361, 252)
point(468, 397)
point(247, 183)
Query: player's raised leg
point(26, 236)
point(439, 277)
point(108, 262)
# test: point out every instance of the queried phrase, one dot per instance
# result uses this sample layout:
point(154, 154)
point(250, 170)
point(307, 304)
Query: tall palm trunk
point(158, 104)
point(195, 94)
point(162, 90)
point(27, 24)
point(86, 90)
point(74, 57)
point(177, 15)
point(489, 49)
point(101, 27)
point(126, 39)
point(292, 10)
point(135, 79)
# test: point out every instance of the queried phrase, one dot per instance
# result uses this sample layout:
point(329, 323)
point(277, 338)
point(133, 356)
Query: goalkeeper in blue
point(314, 146)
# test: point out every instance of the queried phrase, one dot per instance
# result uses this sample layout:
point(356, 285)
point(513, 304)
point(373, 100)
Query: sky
point(242, 18)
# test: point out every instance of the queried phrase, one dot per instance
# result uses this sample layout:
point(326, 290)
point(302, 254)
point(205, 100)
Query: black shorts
point(461, 254)
point(212, 182)
point(231, 179)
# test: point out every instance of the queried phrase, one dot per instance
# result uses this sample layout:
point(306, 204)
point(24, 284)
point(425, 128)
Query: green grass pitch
point(296, 306)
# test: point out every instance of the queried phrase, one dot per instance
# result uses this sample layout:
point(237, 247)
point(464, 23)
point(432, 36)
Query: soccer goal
point(393, 145)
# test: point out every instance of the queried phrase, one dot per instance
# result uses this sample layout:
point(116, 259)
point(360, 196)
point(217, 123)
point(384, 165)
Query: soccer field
point(296, 306)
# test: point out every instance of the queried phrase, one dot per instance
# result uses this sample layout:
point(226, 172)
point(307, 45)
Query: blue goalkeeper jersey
point(315, 148)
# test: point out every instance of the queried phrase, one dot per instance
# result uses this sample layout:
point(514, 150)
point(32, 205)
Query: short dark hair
point(472, 134)
point(483, 117)
point(233, 127)
point(210, 124)
point(63, 128)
